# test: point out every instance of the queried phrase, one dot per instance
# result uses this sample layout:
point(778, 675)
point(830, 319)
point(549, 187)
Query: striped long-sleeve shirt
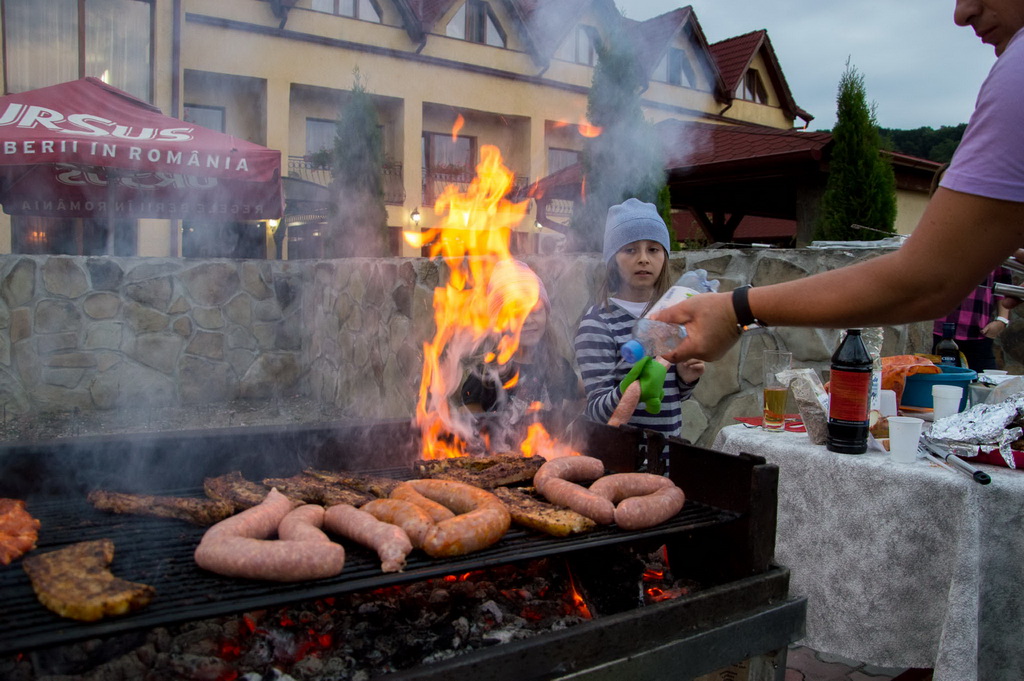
point(599, 338)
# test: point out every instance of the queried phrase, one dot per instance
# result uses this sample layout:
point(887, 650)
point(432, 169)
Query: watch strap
point(745, 319)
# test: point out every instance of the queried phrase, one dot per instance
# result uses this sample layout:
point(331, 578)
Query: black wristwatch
point(745, 319)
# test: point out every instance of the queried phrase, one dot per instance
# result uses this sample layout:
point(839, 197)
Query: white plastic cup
point(904, 434)
point(946, 400)
point(887, 402)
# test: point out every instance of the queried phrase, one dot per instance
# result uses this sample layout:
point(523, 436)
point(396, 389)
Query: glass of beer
point(775, 390)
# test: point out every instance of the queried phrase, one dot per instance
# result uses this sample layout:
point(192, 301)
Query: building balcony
point(303, 168)
point(435, 181)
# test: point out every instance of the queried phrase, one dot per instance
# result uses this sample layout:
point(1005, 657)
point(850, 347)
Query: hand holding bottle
point(654, 338)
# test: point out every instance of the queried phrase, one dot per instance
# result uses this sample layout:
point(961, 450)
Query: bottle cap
point(632, 351)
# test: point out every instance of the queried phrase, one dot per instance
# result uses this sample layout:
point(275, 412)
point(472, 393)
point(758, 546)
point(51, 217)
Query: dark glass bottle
point(849, 396)
point(947, 349)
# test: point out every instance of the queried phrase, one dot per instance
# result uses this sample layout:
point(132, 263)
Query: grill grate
point(158, 552)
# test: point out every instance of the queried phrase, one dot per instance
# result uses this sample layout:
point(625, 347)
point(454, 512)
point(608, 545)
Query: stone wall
point(110, 333)
point(107, 333)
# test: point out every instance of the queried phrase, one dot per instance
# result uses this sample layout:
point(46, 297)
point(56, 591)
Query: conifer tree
point(359, 224)
point(625, 160)
point(861, 185)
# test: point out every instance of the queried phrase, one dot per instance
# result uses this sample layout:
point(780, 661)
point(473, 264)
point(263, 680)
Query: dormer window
point(675, 69)
point(475, 21)
point(366, 10)
point(753, 88)
point(579, 47)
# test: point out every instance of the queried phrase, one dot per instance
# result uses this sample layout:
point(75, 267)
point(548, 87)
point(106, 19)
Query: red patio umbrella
point(86, 149)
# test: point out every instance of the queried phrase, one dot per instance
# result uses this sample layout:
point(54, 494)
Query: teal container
point(918, 390)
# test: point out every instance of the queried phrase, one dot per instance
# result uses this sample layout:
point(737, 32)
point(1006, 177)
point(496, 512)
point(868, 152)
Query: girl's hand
point(690, 370)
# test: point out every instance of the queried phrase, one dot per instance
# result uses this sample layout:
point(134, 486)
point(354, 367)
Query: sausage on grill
point(642, 499)
point(481, 519)
point(389, 541)
point(408, 493)
point(414, 520)
point(557, 481)
point(239, 546)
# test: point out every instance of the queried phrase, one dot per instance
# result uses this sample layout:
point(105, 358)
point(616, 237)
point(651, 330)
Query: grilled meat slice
point(529, 511)
point(18, 530)
point(487, 473)
point(376, 485)
point(314, 491)
point(75, 582)
point(236, 489)
point(197, 511)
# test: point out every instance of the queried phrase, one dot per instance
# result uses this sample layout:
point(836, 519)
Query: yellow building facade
point(515, 73)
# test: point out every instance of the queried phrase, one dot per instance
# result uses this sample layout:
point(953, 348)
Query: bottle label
point(849, 392)
point(674, 295)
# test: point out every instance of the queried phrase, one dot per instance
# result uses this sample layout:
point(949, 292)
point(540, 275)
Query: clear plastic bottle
point(652, 338)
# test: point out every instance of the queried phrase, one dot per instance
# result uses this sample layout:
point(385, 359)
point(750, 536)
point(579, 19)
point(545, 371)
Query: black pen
point(956, 462)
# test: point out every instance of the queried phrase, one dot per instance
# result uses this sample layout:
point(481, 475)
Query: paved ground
point(805, 664)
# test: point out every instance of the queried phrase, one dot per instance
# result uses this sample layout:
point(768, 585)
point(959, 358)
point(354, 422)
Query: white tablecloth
point(903, 565)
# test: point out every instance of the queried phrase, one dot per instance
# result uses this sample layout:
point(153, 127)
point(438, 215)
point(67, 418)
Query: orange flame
point(459, 123)
point(472, 237)
point(588, 129)
point(539, 443)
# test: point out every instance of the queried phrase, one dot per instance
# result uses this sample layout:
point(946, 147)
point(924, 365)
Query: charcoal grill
point(724, 537)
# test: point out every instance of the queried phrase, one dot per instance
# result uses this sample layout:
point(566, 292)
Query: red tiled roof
point(734, 55)
point(652, 37)
point(690, 144)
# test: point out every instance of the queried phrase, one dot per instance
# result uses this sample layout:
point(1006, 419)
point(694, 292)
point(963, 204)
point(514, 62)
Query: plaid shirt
point(976, 310)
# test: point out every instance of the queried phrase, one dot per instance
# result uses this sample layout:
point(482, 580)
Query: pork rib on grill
point(234, 488)
point(374, 485)
point(197, 511)
point(484, 472)
point(311, 490)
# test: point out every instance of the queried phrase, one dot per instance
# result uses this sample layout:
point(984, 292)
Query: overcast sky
point(919, 68)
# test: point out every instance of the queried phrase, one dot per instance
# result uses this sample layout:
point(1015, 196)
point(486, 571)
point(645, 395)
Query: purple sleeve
point(990, 159)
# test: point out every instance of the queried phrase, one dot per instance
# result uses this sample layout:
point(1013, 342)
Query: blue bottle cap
point(632, 351)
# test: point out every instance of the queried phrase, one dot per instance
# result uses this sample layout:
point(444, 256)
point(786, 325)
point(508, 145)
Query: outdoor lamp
point(415, 215)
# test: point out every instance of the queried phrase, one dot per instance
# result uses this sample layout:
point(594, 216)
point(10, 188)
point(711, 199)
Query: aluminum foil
point(985, 426)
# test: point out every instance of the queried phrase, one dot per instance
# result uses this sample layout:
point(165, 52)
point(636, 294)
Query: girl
point(544, 376)
point(636, 255)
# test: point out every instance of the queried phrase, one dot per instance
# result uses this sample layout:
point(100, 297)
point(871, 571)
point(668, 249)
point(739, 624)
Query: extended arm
point(960, 239)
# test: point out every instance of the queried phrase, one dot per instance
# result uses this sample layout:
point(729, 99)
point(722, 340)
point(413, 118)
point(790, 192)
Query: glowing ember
point(473, 238)
point(578, 601)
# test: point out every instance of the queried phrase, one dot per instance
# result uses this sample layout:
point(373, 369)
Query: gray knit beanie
point(633, 220)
